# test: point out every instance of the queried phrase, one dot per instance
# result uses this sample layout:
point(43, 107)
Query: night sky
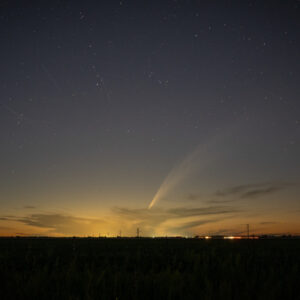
point(177, 117)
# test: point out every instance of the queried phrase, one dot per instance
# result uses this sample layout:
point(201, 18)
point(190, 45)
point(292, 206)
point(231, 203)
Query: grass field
point(142, 268)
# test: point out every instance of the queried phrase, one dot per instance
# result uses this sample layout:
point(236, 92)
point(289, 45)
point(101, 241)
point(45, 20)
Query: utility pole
point(137, 232)
point(248, 235)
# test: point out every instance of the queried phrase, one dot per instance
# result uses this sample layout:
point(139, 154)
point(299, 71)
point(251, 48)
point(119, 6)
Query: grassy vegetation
point(149, 269)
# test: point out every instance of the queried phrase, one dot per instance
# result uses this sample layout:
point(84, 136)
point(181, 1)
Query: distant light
point(207, 237)
point(232, 237)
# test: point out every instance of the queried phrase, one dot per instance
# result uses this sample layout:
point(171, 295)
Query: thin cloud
point(4, 228)
point(249, 191)
point(261, 192)
point(203, 211)
point(193, 197)
point(268, 223)
point(189, 226)
point(179, 212)
point(62, 224)
point(174, 220)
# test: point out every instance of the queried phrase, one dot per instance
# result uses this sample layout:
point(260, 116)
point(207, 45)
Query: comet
point(189, 165)
point(196, 160)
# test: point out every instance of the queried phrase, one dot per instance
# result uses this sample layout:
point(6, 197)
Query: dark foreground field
point(149, 269)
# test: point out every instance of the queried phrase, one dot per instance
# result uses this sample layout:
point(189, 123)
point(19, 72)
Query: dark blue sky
point(100, 101)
